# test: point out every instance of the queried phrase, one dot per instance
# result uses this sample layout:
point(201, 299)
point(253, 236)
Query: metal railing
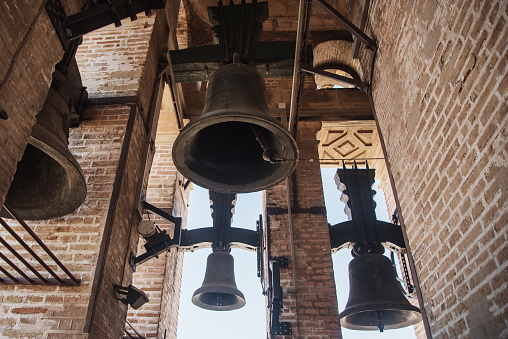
point(139, 336)
point(24, 279)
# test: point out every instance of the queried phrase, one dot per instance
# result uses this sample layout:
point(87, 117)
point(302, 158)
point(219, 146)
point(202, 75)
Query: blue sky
point(249, 321)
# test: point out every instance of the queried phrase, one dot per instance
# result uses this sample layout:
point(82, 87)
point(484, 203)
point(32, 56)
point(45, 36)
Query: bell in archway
point(218, 291)
point(48, 182)
point(235, 146)
point(376, 299)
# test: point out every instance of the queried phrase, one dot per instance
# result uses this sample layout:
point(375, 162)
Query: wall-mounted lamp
point(147, 229)
point(134, 296)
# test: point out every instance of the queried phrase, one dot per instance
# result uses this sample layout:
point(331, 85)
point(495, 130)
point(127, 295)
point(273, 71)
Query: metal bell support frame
point(235, 146)
point(218, 291)
point(376, 299)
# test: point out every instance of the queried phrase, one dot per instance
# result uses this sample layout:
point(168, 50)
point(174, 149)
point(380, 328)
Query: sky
point(249, 322)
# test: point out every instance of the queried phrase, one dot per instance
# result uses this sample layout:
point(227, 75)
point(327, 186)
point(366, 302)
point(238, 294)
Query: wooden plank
point(324, 115)
point(260, 51)
point(193, 72)
point(272, 59)
point(328, 105)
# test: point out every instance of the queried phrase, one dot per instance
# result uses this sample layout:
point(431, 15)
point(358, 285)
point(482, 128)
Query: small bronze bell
point(218, 291)
point(376, 299)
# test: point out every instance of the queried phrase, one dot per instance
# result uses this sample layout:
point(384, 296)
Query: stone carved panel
point(355, 141)
point(349, 140)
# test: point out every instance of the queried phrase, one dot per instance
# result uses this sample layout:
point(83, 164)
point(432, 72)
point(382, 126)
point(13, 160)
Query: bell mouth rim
point(224, 115)
point(74, 175)
point(413, 311)
point(237, 294)
point(73, 169)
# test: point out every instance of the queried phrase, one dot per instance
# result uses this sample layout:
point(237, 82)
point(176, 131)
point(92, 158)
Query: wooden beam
point(327, 105)
point(322, 115)
point(271, 59)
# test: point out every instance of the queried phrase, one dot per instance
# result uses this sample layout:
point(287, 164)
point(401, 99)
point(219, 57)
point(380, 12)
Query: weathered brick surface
point(191, 30)
point(439, 87)
point(65, 316)
point(109, 318)
point(29, 49)
point(311, 306)
point(441, 98)
point(52, 311)
point(111, 59)
point(161, 277)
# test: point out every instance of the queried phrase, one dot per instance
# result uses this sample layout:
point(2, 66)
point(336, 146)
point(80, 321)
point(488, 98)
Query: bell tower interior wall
point(439, 88)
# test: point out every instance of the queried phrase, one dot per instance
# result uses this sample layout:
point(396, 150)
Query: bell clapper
point(269, 154)
point(379, 322)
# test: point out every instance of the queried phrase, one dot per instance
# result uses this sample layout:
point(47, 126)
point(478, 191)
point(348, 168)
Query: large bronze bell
point(218, 291)
point(376, 299)
point(48, 182)
point(235, 146)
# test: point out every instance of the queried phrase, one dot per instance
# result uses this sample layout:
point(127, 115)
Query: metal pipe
point(293, 257)
point(412, 266)
point(350, 81)
point(348, 25)
point(20, 258)
point(16, 268)
point(29, 250)
point(8, 274)
point(127, 332)
point(42, 244)
point(296, 67)
point(291, 236)
point(150, 137)
point(128, 323)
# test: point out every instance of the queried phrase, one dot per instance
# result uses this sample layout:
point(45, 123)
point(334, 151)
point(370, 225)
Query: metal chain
point(410, 287)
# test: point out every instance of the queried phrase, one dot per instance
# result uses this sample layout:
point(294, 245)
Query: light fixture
point(134, 296)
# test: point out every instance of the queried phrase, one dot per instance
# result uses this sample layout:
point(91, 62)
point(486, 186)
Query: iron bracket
point(3, 114)
point(132, 261)
point(56, 14)
point(259, 254)
point(275, 300)
point(163, 65)
point(348, 25)
point(282, 261)
point(192, 239)
point(350, 81)
point(364, 230)
point(103, 14)
point(284, 328)
point(343, 233)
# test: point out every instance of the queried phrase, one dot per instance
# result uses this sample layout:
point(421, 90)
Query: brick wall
point(311, 307)
point(182, 32)
point(200, 32)
point(191, 30)
point(29, 48)
point(107, 316)
point(111, 59)
point(441, 99)
point(59, 312)
point(161, 277)
point(64, 315)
